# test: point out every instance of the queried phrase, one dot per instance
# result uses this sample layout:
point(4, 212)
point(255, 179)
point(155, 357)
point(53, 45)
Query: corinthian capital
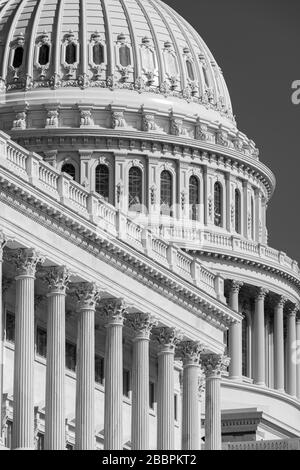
point(190, 352)
point(236, 286)
point(26, 261)
point(2, 244)
point(214, 364)
point(281, 301)
point(114, 311)
point(88, 294)
point(293, 310)
point(261, 293)
point(168, 338)
point(57, 279)
point(141, 324)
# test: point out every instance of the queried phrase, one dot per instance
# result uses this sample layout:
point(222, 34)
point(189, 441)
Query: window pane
point(102, 181)
point(194, 197)
point(237, 211)
point(71, 54)
point(70, 356)
point(10, 327)
point(44, 54)
point(135, 189)
point(151, 396)
point(41, 342)
point(18, 57)
point(126, 383)
point(190, 70)
point(99, 370)
point(125, 58)
point(166, 189)
point(70, 169)
point(218, 205)
point(98, 54)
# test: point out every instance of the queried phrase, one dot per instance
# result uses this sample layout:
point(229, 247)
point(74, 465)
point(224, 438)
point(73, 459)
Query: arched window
point(166, 193)
point(125, 56)
point(102, 181)
point(194, 199)
point(18, 57)
point(252, 218)
point(70, 169)
point(190, 70)
point(205, 74)
point(135, 189)
point(98, 54)
point(71, 53)
point(44, 54)
point(218, 205)
point(237, 211)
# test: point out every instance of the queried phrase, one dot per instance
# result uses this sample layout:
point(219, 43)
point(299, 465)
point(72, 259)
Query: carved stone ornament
point(52, 118)
point(222, 137)
point(88, 294)
point(236, 286)
point(86, 119)
point(26, 261)
point(114, 311)
point(20, 121)
point(261, 293)
point(149, 124)
point(177, 127)
point(168, 338)
point(141, 324)
point(214, 364)
point(282, 301)
point(190, 352)
point(118, 119)
point(201, 131)
point(57, 279)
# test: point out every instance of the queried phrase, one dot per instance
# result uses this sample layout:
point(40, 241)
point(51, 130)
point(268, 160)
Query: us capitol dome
point(142, 307)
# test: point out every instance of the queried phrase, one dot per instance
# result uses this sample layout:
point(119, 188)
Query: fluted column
point(279, 345)
point(291, 388)
point(259, 337)
point(213, 365)
point(168, 338)
point(191, 426)
point(142, 325)
point(235, 335)
point(88, 295)
point(2, 244)
point(56, 360)
point(23, 425)
point(297, 356)
point(114, 312)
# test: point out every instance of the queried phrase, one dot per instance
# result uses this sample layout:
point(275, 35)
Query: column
point(235, 335)
point(142, 325)
point(114, 312)
point(2, 244)
point(56, 360)
point(88, 295)
point(213, 365)
point(291, 350)
point(191, 425)
point(259, 337)
point(23, 427)
point(201, 395)
point(168, 338)
point(297, 356)
point(279, 345)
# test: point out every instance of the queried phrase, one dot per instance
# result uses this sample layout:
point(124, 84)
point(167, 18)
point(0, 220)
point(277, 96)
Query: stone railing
point(280, 444)
point(30, 167)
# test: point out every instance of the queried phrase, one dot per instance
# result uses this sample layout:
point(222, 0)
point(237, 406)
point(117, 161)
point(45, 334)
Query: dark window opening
point(18, 57)
point(70, 356)
point(166, 196)
point(102, 181)
point(69, 447)
point(99, 370)
point(135, 189)
point(40, 441)
point(194, 197)
point(71, 54)
point(176, 407)
point(151, 395)
point(10, 327)
point(8, 435)
point(98, 54)
point(44, 54)
point(190, 70)
point(237, 211)
point(218, 205)
point(125, 56)
point(41, 342)
point(126, 383)
point(69, 169)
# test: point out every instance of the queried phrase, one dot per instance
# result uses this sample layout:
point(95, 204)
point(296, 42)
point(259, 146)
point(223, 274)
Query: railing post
point(219, 288)
point(172, 257)
point(147, 241)
point(63, 187)
point(32, 167)
point(92, 206)
point(121, 221)
point(195, 272)
point(3, 147)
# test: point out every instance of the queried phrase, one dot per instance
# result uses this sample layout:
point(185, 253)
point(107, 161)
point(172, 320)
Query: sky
point(257, 45)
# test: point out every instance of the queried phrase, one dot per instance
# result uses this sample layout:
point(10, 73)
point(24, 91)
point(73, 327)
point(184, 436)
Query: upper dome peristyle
point(141, 45)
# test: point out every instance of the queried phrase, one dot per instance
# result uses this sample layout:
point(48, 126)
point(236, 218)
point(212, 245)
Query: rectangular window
point(126, 383)
point(176, 407)
point(10, 327)
point(8, 435)
point(70, 356)
point(99, 370)
point(41, 342)
point(151, 395)
point(40, 442)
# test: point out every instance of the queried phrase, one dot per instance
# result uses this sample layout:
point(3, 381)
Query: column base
point(236, 378)
point(260, 384)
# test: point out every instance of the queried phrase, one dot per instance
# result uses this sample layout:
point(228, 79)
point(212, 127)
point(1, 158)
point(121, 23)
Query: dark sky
point(257, 44)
